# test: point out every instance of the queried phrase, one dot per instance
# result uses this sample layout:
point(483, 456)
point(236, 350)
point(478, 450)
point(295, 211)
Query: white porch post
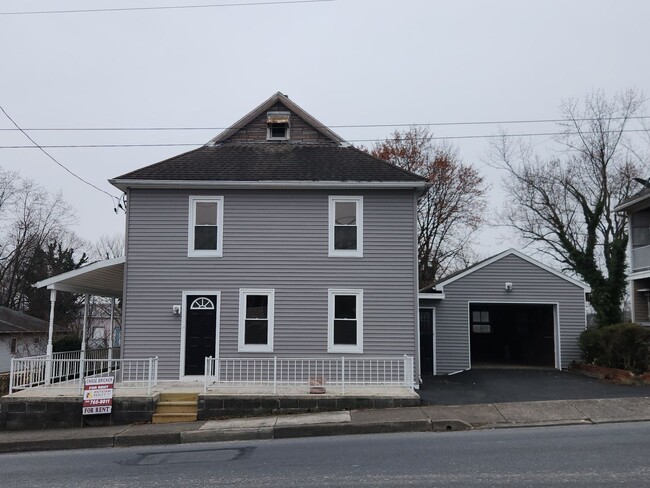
point(110, 336)
point(82, 356)
point(50, 334)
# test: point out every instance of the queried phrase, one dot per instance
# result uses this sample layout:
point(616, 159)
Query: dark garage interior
point(512, 334)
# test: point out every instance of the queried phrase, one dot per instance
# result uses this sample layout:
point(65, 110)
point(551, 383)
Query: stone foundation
point(219, 406)
point(18, 413)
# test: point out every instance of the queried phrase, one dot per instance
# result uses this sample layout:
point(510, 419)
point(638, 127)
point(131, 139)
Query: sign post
point(98, 395)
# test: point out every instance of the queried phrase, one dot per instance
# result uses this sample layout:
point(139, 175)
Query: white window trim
point(358, 252)
point(218, 252)
point(331, 347)
point(243, 293)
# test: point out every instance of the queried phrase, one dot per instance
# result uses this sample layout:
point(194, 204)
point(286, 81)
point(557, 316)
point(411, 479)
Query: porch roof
point(103, 278)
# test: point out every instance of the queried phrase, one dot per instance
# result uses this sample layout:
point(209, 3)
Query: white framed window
point(345, 226)
point(256, 315)
point(205, 227)
point(345, 321)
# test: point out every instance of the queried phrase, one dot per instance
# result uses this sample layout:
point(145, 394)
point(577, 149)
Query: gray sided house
point(276, 238)
point(637, 208)
point(508, 309)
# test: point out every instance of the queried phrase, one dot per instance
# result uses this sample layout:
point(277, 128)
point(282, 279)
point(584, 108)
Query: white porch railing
point(278, 372)
point(640, 258)
point(67, 370)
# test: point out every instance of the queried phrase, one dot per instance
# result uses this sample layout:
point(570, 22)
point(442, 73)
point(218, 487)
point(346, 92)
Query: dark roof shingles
point(274, 162)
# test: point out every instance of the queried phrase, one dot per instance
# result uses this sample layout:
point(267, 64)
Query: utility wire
point(441, 138)
point(163, 7)
point(36, 145)
point(347, 126)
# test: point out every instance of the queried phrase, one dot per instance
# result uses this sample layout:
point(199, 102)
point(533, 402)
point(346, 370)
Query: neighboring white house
point(20, 335)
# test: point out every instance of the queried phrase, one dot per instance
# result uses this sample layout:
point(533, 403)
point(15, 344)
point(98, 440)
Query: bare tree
point(563, 205)
point(108, 247)
point(31, 219)
point(452, 210)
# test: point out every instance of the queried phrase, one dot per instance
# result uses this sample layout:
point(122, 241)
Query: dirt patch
point(611, 375)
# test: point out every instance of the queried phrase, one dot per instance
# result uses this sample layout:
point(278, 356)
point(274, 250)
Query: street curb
point(449, 425)
point(227, 435)
point(130, 440)
point(319, 430)
point(56, 444)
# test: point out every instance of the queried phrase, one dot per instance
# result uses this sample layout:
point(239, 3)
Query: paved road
point(576, 456)
point(520, 385)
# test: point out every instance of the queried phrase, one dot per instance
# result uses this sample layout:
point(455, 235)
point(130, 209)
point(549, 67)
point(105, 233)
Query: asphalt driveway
point(519, 385)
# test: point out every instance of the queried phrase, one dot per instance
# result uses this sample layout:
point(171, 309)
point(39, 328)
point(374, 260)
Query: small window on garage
point(481, 322)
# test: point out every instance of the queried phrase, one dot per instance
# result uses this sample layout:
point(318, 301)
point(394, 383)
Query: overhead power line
point(196, 144)
point(340, 126)
point(163, 7)
point(41, 148)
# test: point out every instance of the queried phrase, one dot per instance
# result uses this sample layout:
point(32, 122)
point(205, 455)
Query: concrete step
point(169, 418)
point(178, 397)
point(176, 407)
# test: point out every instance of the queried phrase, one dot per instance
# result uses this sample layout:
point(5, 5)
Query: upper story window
point(256, 311)
point(345, 321)
point(206, 227)
point(278, 126)
point(640, 236)
point(346, 226)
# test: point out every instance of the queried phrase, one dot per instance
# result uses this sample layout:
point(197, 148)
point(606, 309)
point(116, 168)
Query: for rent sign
point(98, 395)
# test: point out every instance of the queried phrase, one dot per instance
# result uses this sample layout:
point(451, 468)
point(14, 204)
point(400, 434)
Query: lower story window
point(256, 309)
point(345, 321)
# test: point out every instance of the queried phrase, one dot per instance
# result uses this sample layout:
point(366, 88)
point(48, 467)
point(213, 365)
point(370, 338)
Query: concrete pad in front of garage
point(474, 415)
point(528, 412)
point(614, 409)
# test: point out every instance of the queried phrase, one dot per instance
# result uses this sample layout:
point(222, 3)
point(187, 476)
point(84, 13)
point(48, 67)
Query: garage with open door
point(518, 334)
point(508, 310)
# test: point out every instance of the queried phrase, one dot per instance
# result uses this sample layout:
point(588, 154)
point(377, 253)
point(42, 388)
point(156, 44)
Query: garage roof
point(460, 274)
point(103, 278)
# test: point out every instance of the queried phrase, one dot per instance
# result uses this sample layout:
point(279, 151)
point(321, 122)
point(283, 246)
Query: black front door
point(426, 341)
point(200, 332)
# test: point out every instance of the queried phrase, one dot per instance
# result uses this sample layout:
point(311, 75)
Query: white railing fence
point(67, 370)
point(276, 372)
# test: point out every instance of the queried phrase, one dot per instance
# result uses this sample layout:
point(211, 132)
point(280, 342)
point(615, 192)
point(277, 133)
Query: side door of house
point(427, 341)
point(200, 331)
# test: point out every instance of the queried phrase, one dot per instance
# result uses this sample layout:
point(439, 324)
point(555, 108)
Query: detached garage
point(507, 310)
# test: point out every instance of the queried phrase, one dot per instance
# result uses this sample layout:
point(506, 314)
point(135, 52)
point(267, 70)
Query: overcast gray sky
point(346, 62)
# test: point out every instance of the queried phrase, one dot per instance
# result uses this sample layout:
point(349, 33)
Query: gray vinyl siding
point(271, 239)
point(531, 284)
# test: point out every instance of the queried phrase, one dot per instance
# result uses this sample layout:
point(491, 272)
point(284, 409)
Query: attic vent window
point(277, 126)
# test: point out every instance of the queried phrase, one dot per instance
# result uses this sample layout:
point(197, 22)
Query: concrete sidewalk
point(412, 419)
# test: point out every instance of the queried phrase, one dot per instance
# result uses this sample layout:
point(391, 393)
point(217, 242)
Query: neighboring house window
point(256, 309)
point(206, 226)
point(481, 322)
point(14, 346)
point(345, 321)
point(640, 236)
point(346, 226)
point(277, 126)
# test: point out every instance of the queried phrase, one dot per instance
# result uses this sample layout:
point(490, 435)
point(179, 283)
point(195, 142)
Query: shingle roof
point(14, 322)
point(641, 195)
point(274, 162)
